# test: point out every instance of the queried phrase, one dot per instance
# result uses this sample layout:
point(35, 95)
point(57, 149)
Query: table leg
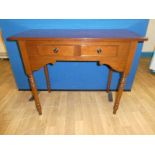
point(35, 93)
point(32, 97)
point(119, 93)
point(47, 78)
point(110, 97)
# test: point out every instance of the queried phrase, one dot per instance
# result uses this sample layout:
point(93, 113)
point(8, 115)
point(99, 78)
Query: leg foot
point(115, 110)
point(110, 97)
point(32, 97)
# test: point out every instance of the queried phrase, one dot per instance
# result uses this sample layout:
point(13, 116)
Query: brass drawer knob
point(99, 50)
point(56, 50)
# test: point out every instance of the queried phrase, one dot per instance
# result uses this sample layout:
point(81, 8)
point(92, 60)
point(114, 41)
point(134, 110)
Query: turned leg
point(47, 78)
point(35, 93)
point(119, 93)
point(110, 98)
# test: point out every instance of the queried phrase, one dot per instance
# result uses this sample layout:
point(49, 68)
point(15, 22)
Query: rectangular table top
point(46, 34)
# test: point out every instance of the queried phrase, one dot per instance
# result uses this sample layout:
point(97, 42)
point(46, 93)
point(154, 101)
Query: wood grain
point(78, 112)
point(35, 93)
point(109, 80)
point(119, 93)
point(47, 78)
point(55, 34)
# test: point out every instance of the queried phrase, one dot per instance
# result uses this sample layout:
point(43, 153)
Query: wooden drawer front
point(104, 51)
point(55, 50)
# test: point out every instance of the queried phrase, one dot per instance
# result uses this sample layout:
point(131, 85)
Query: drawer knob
point(99, 50)
point(56, 50)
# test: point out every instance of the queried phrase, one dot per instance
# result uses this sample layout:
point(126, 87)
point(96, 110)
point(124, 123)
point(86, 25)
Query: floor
point(78, 112)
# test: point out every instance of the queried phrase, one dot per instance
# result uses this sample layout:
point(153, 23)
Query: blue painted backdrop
point(70, 75)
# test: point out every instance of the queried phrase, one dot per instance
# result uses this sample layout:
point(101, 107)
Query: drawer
point(99, 50)
point(48, 50)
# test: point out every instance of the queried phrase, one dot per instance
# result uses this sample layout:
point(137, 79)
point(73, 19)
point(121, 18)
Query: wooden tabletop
point(46, 34)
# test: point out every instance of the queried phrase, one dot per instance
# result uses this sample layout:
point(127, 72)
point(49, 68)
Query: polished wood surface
point(47, 78)
point(107, 34)
point(78, 112)
point(35, 93)
point(53, 50)
point(119, 93)
point(109, 80)
point(114, 48)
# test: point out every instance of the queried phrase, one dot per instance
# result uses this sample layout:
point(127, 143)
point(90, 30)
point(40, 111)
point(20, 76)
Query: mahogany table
point(114, 48)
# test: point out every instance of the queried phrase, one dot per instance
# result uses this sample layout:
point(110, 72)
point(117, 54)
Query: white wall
point(149, 46)
point(3, 52)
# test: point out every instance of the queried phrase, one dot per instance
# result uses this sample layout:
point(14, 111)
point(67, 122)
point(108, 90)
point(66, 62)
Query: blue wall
point(70, 75)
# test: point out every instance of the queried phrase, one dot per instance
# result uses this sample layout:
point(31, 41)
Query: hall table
point(112, 47)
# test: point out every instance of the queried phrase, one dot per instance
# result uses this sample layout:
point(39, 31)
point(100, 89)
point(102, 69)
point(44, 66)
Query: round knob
point(56, 50)
point(99, 50)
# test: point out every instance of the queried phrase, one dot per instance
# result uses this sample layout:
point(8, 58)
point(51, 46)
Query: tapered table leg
point(110, 97)
point(47, 78)
point(119, 93)
point(35, 93)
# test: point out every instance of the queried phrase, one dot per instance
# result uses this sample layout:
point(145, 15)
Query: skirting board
point(104, 90)
point(3, 55)
point(146, 54)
